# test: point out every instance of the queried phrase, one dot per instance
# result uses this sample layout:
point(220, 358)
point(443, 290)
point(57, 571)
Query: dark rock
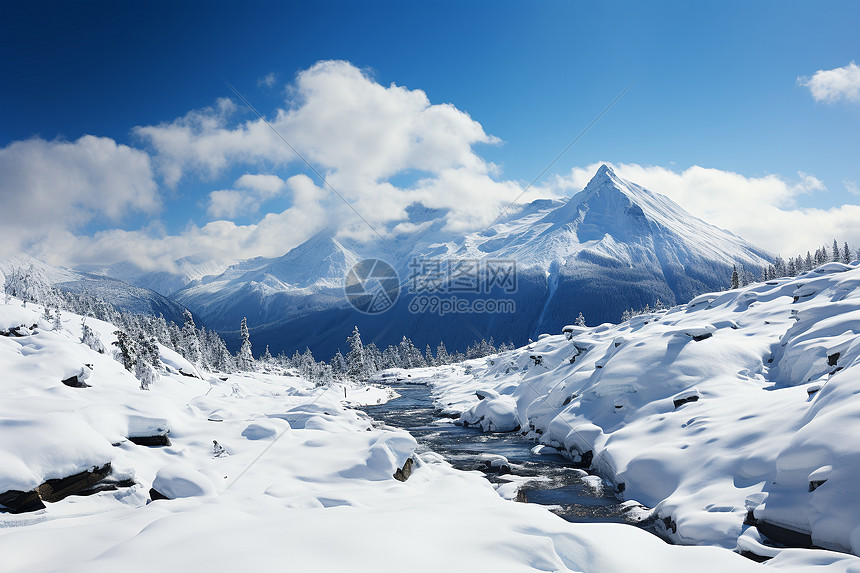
point(585, 460)
point(402, 474)
point(815, 484)
point(150, 441)
point(15, 501)
point(670, 524)
point(75, 382)
point(831, 360)
point(155, 495)
point(785, 536)
point(701, 337)
point(107, 485)
point(620, 487)
point(489, 468)
point(18, 331)
point(56, 489)
point(521, 496)
point(82, 483)
point(681, 401)
point(755, 556)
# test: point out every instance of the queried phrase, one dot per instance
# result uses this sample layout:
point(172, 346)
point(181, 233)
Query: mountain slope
point(121, 295)
point(611, 247)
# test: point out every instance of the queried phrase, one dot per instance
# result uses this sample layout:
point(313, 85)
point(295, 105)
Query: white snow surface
point(297, 482)
point(768, 404)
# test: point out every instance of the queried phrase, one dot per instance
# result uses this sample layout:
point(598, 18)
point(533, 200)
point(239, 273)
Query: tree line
point(795, 265)
point(138, 336)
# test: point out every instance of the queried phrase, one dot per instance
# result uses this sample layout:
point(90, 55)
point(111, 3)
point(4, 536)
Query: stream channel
point(569, 493)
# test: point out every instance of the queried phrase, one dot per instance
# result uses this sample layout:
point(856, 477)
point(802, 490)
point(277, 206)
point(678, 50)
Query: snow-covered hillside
point(740, 407)
point(251, 472)
point(611, 247)
point(119, 294)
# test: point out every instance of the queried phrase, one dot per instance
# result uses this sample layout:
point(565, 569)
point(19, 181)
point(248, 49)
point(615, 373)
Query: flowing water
point(553, 482)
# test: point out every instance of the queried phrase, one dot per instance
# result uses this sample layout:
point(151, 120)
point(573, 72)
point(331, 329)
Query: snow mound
point(744, 400)
point(179, 480)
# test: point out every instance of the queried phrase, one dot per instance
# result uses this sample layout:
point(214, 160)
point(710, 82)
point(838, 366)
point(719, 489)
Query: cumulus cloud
point(833, 85)
point(382, 148)
point(356, 132)
point(50, 186)
point(222, 241)
point(763, 210)
point(249, 192)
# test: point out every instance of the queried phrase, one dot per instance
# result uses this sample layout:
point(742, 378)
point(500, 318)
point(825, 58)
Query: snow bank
point(268, 472)
point(750, 393)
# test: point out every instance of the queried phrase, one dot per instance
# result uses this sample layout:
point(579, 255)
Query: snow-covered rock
point(749, 394)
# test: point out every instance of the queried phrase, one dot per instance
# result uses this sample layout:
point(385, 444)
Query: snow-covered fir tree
point(245, 358)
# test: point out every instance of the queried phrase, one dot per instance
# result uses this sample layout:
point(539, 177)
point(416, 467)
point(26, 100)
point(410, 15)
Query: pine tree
point(442, 356)
point(189, 341)
point(356, 368)
point(90, 338)
point(846, 254)
point(835, 255)
point(145, 373)
point(580, 320)
point(735, 278)
point(126, 352)
point(245, 357)
point(428, 356)
point(338, 364)
point(148, 350)
point(58, 325)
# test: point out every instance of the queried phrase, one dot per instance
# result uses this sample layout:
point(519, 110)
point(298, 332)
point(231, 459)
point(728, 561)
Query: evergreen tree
point(356, 367)
point(835, 255)
point(90, 338)
point(148, 349)
point(57, 324)
point(245, 358)
point(189, 341)
point(442, 357)
point(735, 278)
point(580, 320)
point(846, 254)
point(126, 352)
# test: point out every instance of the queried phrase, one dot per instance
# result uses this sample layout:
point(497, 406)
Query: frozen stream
point(554, 482)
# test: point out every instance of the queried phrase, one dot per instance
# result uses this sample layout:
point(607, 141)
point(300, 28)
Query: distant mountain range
point(611, 247)
point(120, 294)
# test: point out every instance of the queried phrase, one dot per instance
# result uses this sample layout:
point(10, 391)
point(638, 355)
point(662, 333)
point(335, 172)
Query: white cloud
point(49, 186)
point(762, 210)
point(254, 190)
point(228, 203)
point(224, 241)
point(355, 131)
point(851, 186)
point(833, 85)
point(265, 185)
point(268, 80)
point(363, 137)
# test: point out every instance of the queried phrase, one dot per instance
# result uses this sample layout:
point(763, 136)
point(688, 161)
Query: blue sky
point(714, 85)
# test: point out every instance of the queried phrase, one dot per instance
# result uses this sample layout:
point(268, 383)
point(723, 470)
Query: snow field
point(267, 473)
point(748, 394)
